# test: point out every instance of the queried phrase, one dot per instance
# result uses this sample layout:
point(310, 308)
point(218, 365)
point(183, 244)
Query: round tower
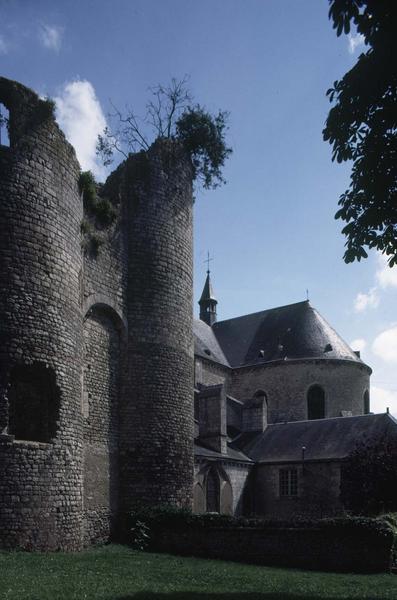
point(157, 409)
point(40, 329)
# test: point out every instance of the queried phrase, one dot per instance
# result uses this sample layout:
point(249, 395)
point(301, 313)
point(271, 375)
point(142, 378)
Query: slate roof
point(232, 454)
point(323, 438)
point(208, 292)
point(295, 331)
point(205, 343)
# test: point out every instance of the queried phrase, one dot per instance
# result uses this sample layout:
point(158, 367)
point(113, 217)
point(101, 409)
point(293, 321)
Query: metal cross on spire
point(208, 260)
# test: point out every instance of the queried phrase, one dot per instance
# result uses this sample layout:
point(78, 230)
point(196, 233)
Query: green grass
point(119, 573)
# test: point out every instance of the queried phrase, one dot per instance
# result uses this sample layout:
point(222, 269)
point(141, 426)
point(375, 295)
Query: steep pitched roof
point(295, 331)
point(205, 343)
point(208, 292)
point(323, 438)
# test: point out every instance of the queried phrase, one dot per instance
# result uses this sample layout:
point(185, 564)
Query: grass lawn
point(118, 573)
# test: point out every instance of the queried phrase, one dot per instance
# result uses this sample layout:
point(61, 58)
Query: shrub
point(101, 209)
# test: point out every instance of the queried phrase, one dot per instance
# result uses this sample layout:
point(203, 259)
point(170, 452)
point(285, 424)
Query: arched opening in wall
point(198, 499)
point(366, 402)
point(315, 403)
point(4, 126)
point(100, 406)
point(226, 501)
point(213, 491)
point(34, 402)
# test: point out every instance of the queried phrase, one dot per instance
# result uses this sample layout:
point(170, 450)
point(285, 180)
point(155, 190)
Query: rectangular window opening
point(288, 482)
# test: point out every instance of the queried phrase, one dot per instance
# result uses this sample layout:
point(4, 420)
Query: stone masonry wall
point(317, 497)
point(101, 395)
point(210, 373)
point(105, 271)
point(40, 327)
point(286, 385)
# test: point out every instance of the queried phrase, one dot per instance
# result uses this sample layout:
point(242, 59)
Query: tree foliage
point(170, 113)
point(369, 478)
point(362, 127)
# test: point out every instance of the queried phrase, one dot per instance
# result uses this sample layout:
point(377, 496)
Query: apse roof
point(323, 439)
point(295, 331)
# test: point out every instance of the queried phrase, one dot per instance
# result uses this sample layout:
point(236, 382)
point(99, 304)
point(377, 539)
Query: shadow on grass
point(227, 596)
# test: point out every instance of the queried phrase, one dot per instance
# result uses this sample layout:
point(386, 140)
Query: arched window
point(212, 492)
point(366, 402)
point(315, 403)
point(4, 122)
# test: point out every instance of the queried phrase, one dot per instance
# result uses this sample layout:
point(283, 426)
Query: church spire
point(208, 301)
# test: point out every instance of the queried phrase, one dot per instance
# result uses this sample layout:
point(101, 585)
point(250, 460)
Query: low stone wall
point(328, 548)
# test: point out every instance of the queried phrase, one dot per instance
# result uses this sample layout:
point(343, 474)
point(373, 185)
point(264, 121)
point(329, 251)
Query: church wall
point(210, 373)
point(318, 491)
point(238, 475)
point(286, 385)
point(234, 473)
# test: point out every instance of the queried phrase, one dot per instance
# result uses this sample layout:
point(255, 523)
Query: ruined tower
point(96, 349)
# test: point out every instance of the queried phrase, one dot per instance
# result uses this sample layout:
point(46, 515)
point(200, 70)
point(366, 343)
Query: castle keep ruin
point(96, 348)
point(101, 394)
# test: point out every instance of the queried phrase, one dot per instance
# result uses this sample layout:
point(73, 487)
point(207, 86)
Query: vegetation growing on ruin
point(171, 113)
point(101, 211)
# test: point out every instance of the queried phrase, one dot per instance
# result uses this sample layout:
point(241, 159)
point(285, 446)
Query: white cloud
point(385, 345)
point(358, 344)
point(80, 115)
point(355, 41)
point(380, 399)
point(386, 276)
point(51, 36)
point(364, 301)
point(3, 45)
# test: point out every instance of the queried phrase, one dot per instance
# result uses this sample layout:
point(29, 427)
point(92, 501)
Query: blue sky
point(271, 228)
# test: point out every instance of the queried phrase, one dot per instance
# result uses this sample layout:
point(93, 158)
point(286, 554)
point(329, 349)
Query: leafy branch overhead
point(170, 113)
point(362, 128)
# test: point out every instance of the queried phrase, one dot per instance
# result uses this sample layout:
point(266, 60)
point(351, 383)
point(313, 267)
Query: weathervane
point(208, 260)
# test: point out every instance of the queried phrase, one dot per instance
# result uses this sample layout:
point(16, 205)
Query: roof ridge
point(330, 419)
point(258, 312)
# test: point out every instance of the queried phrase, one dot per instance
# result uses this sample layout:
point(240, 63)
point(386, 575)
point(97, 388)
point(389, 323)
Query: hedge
point(359, 544)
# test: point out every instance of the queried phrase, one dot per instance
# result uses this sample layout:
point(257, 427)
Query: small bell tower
point(208, 301)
